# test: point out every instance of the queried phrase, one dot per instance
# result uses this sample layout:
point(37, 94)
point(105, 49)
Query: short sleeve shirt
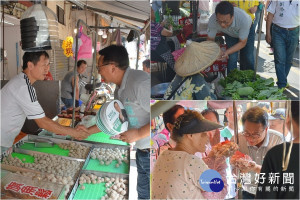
point(286, 13)
point(134, 93)
point(238, 29)
point(18, 101)
point(194, 88)
point(176, 176)
point(156, 30)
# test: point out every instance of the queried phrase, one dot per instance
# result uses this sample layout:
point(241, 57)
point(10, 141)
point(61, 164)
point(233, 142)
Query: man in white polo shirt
point(19, 100)
point(285, 36)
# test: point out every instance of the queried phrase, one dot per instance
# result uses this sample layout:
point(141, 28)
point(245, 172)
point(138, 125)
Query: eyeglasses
point(252, 135)
point(104, 65)
point(222, 22)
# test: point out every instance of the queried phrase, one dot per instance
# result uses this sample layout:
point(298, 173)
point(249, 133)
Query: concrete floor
point(266, 66)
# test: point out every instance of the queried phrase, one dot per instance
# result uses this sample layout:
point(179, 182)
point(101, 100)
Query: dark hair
point(210, 110)
point(256, 115)
point(79, 62)
point(183, 121)
point(237, 106)
point(117, 54)
point(263, 104)
point(295, 111)
point(168, 116)
point(146, 63)
point(224, 8)
point(33, 57)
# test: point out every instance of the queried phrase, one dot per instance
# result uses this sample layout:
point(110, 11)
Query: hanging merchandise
point(118, 37)
point(67, 46)
point(39, 28)
point(85, 50)
point(84, 45)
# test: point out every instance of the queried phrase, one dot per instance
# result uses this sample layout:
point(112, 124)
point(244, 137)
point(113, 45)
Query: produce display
point(107, 155)
point(242, 85)
point(75, 150)
point(107, 187)
point(46, 163)
point(66, 181)
point(225, 148)
point(170, 19)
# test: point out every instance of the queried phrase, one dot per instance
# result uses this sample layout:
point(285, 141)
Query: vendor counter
point(47, 167)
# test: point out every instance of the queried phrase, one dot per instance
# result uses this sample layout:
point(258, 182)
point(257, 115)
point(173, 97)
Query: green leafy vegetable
point(245, 85)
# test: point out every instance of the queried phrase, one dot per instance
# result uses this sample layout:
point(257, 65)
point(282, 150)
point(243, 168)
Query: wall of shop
point(12, 37)
point(63, 30)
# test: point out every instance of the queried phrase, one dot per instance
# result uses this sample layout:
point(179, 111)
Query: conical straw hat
point(196, 58)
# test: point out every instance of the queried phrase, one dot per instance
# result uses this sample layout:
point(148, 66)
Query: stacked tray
point(108, 121)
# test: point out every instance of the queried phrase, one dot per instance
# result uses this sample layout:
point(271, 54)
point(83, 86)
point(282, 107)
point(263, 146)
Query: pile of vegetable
point(241, 85)
point(170, 20)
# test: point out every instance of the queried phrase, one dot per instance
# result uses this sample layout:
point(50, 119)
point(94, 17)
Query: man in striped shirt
point(19, 100)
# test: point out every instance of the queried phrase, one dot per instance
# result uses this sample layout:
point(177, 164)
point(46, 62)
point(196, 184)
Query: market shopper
point(133, 90)
point(228, 131)
point(215, 138)
point(276, 121)
point(285, 36)
point(146, 66)
point(286, 182)
point(177, 171)
point(255, 141)
point(19, 100)
point(67, 85)
point(258, 18)
point(160, 51)
point(235, 24)
point(189, 83)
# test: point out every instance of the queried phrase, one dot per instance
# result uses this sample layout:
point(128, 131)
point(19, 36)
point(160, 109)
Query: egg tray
point(95, 191)
point(56, 150)
point(93, 164)
point(102, 137)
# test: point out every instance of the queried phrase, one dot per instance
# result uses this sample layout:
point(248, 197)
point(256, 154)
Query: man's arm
point(134, 134)
point(238, 46)
point(270, 17)
point(253, 9)
point(56, 128)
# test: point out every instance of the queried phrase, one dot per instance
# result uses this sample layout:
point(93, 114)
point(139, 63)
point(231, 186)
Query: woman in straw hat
point(177, 171)
point(189, 83)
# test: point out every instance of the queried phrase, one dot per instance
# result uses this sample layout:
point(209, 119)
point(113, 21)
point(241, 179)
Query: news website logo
point(211, 181)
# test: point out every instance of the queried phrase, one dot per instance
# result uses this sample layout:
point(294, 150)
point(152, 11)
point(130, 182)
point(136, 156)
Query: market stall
point(190, 23)
point(52, 166)
point(229, 113)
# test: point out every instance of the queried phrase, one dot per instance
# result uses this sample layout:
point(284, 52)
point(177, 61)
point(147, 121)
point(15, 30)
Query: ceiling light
point(100, 32)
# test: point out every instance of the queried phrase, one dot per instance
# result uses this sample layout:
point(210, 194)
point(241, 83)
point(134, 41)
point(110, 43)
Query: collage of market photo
point(149, 99)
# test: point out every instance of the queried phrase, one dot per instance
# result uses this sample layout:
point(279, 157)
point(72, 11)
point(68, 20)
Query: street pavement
point(266, 66)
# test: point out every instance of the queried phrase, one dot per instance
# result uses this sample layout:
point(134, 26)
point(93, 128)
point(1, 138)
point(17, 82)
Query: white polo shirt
point(286, 13)
point(18, 101)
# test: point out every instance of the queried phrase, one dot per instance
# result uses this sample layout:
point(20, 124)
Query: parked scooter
point(99, 96)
